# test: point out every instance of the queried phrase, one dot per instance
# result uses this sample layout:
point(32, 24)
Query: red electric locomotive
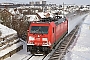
point(43, 35)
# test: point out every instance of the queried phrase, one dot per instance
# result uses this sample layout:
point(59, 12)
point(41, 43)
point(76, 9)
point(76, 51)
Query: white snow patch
point(6, 31)
point(7, 50)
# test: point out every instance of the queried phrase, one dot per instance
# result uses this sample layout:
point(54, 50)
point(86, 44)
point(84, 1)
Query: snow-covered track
point(37, 58)
point(33, 57)
point(27, 57)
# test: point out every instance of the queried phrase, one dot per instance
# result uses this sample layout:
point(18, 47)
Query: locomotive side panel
point(52, 34)
point(66, 26)
point(59, 31)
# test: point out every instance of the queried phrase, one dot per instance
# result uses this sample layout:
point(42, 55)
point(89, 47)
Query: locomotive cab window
point(39, 29)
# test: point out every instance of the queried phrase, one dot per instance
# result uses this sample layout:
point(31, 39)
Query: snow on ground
point(74, 21)
point(6, 31)
point(81, 50)
point(7, 50)
point(21, 55)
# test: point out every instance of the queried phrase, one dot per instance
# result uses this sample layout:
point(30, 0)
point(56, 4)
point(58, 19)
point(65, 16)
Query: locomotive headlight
point(31, 38)
point(44, 39)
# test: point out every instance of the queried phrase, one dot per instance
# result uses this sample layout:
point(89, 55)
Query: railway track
point(61, 50)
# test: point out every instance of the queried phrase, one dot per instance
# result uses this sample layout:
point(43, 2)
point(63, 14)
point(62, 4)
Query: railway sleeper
point(66, 38)
point(62, 50)
point(54, 58)
point(63, 45)
point(56, 55)
point(64, 42)
point(56, 52)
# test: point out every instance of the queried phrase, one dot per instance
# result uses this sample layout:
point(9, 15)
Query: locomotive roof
point(57, 20)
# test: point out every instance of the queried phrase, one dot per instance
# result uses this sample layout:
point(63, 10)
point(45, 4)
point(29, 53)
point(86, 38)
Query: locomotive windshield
point(39, 29)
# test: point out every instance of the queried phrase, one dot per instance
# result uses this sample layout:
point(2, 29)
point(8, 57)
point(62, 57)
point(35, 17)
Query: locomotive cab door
point(54, 34)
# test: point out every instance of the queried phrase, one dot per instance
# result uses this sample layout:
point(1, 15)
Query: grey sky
point(51, 1)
